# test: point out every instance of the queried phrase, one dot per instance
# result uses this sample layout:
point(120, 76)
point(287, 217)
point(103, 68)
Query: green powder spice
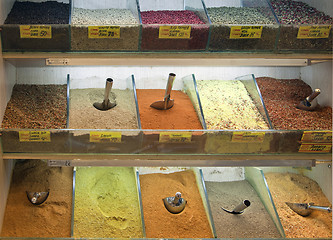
point(106, 203)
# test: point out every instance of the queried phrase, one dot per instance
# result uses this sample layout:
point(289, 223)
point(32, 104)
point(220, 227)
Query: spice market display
point(253, 107)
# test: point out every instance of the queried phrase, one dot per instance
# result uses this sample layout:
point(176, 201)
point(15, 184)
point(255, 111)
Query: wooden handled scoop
point(106, 104)
point(305, 209)
point(167, 103)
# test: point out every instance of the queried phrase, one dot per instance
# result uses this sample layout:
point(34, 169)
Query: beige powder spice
point(83, 115)
point(296, 188)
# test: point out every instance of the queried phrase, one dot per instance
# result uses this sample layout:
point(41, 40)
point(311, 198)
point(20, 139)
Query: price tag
point(35, 31)
point(100, 137)
point(248, 137)
point(35, 136)
point(242, 32)
point(103, 32)
point(316, 136)
point(180, 137)
point(175, 32)
point(59, 163)
point(305, 32)
point(315, 148)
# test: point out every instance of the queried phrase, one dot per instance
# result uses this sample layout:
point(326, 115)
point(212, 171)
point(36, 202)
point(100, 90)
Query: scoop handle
point(325, 209)
point(313, 95)
point(108, 86)
point(169, 86)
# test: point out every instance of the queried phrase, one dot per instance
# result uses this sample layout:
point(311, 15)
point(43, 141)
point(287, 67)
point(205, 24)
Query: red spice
point(150, 33)
point(170, 17)
point(281, 96)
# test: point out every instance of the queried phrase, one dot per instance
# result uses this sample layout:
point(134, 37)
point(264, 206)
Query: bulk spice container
point(303, 27)
point(105, 26)
point(175, 25)
point(115, 130)
point(241, 25)
point(235, 116)
point(156, 184)
point(37, 26)
point(107, 203)
point(36, 117)
point(177, 129)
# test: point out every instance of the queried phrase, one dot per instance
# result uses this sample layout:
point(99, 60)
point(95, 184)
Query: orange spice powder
point(181, 116)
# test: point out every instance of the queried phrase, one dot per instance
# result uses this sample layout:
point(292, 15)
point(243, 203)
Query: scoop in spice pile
point(167, 103)
point(175, 204)
point(309, 103)
point(305, 209)
point(106, 104)
point(239, 208)
point(37, 198)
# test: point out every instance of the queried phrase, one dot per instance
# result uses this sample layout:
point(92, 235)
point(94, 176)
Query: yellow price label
point(175, 32)
point(306, 32)
point(315, 148)
point(180, 137)
point(103, 32)
point(242, 32)
point(316, 136)
point(248, 137)
point(102, 137)
point(36, 31)
point(35, 136)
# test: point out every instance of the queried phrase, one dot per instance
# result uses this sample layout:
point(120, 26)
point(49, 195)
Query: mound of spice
point(228, 105)
point(281, 96)
point(122, 116)
point(235, 15)
point(296, 12)
point(296, 188)
point(128, 38)
point(106, 203)
point(151, 40)
point(255, 222)
point(291, 14)
point(51, 219)
point(170, 17)
point(192, 222)
point(37, 107)
point(181, 116)
point(48, 12)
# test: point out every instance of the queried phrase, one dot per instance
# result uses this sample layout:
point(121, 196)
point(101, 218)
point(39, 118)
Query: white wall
point(5, 7)
point(145, 76)
point(320, 76)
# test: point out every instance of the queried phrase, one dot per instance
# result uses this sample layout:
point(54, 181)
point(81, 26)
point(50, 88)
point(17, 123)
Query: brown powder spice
point(296, 188)
point(159, 223)
point(50, 219)
point(281, 96)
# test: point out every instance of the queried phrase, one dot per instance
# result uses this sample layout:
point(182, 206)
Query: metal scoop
point(37, 198)
point(167, 102)
point(305, 209)
point(309, 103)
point(175, 204)
point(106, 104)
point(239, 209)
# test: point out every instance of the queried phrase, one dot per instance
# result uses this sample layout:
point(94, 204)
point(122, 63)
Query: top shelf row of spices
point(167, 25)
